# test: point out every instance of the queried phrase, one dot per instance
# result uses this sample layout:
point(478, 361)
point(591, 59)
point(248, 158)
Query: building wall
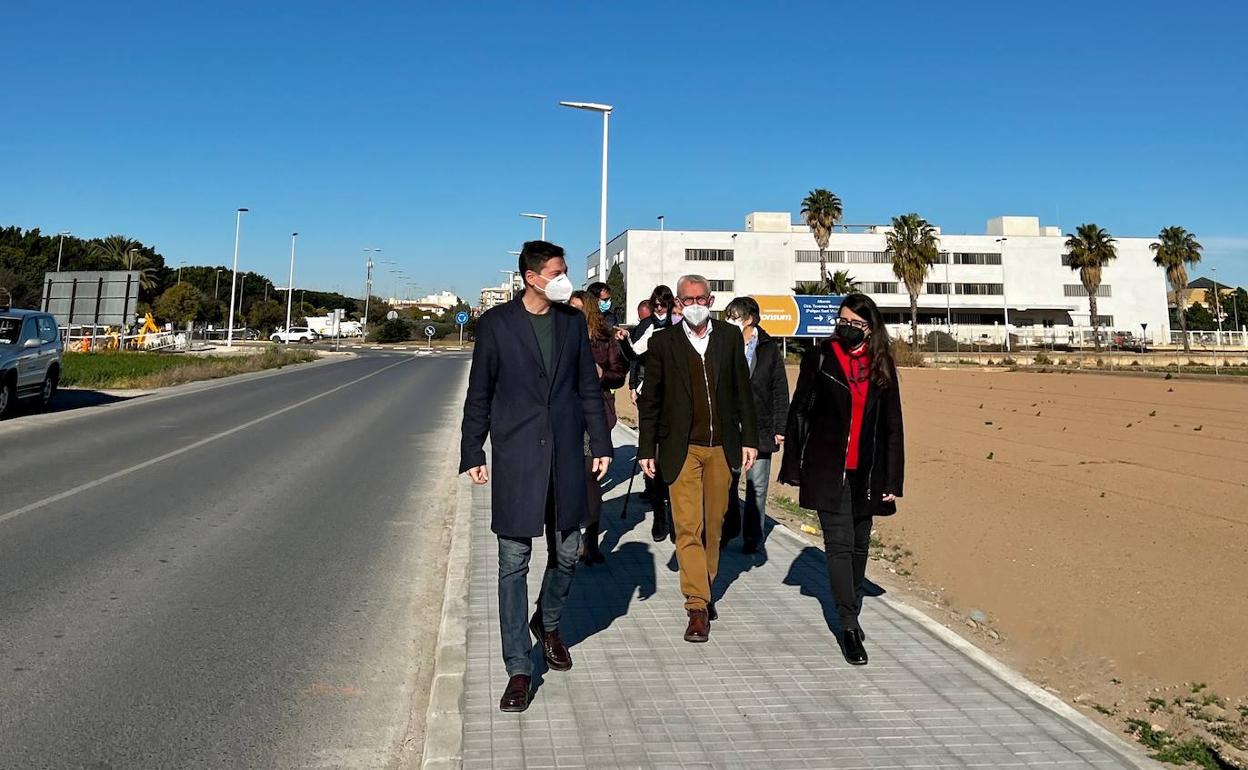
point(1032, 272)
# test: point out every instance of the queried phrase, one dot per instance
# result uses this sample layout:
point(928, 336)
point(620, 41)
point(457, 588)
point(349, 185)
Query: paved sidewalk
point(770, 689)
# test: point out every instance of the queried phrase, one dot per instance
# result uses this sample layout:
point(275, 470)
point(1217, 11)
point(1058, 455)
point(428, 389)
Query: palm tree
point(1089, 250)
point(821, 210)
point(126, 254)
point(811, 288)
point(914, 247)
point(1176, 249)
point(843, 283)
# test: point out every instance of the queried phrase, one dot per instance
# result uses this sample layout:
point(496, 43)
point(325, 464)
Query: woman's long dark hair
point(879, 346)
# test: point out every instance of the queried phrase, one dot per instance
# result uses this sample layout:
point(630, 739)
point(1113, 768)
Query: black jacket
point(665, 405)
point(637, 371)
point(818, 467)
point(771, 391)
point(536, 420)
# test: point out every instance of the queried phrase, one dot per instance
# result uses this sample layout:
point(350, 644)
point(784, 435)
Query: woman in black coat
point(770, 384)
point(846, 450)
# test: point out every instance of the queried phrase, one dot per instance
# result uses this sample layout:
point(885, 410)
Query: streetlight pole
point(1217, 302)
point(1005, 303)
point(605, 109)
point(130, 259)
point(542, 218)
point(180, 264)
point(662, 230)
point(949, 290)
point(290, 282)
point(238, 226)
point(216, 286)
point(61, 250)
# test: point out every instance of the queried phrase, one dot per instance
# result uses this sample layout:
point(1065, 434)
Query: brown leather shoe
point(516, 696)
point(553, 648)
point(699, 628)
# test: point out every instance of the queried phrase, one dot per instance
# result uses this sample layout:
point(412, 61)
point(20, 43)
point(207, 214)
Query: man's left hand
point(748, 456)
point(889, 498)
point(600, 467)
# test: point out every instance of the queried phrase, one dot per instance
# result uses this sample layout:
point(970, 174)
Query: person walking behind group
point(533, 390)
point(611, 371)
point(661, 315)
point(770, 384)
point(601, 294)
point(846, 450)
point(696, 417)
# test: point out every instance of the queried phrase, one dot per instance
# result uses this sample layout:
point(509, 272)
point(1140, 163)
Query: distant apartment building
point(1016, 264)
point(494, 295)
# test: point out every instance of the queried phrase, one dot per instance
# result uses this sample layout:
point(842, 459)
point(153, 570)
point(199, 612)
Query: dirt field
point(1100, 523)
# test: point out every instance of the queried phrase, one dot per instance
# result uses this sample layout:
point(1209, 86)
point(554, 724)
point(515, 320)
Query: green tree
point(843, 283)
point(266, 316)
point(1175, 250)
point(811, 288)
point(914, 247)
point(1089, 249)
point(821, 210)
point(619, 297)
point(179, 304)
point(1198, 318)
point(397, 330)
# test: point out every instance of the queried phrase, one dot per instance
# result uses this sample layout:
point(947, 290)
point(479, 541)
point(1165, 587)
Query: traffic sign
point(392, 315)
point(430, 331)
point(461, 317)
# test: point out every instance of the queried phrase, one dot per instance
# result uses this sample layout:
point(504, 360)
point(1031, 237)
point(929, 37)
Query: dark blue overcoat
point(536, 420)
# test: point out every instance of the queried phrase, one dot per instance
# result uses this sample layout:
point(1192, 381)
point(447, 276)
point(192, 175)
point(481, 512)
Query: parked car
point(295, 334)
point(30, 357)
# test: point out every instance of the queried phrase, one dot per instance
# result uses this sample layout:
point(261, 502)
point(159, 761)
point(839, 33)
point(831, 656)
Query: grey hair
point(692, 278)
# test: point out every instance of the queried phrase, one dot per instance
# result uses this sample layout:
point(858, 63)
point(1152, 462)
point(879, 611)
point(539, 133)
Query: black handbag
point(799, 431)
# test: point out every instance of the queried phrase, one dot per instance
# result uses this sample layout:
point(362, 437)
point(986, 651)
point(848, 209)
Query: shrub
point(905, 355)
point(939, 341)
point(397, 330)
point(1043, 359)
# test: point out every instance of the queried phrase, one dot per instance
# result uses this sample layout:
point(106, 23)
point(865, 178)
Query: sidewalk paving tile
point(770, 689)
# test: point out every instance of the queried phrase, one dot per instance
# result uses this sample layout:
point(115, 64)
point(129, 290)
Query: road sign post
point(461, 318)
point(429, 332)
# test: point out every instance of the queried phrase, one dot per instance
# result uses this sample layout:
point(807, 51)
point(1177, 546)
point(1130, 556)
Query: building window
point(720, 285)
point(1077, 290)
point(976, 258)
point(806, 255)
point(935, 288)
point(979, 288)
point(878, 287)
point(708, 255)
point(1104, 320)
point(868, 257)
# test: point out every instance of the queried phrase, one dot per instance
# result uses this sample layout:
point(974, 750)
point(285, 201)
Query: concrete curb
point(1124, 749)
point(444, 722)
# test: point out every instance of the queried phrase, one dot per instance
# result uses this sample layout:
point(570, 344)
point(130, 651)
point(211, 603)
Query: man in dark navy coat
point(534, 390)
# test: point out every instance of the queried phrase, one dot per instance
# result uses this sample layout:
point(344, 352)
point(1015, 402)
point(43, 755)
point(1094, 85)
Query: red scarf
point(857, 368)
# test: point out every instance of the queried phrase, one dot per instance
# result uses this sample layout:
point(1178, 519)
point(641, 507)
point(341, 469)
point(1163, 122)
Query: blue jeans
point(750, 526)
point(513, 591)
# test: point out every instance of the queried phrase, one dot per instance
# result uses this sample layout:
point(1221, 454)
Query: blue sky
point(424, 129)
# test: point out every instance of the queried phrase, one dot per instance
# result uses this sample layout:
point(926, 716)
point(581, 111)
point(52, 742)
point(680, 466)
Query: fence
point(1070, 338)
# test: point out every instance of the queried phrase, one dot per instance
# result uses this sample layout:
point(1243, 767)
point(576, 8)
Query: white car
point(295, 334)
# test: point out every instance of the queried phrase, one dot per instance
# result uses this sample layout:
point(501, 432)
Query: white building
point(494, 295)
point(1016, 263)
point(443, 299)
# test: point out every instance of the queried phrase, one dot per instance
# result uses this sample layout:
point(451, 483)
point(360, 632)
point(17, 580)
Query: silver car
point(30, 357)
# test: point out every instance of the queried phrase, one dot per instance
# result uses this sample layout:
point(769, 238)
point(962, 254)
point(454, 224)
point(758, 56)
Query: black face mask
point(850, 337)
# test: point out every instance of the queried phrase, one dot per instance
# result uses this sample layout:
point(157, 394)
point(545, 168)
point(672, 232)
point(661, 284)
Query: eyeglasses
point(687, 301)
point(851, 322)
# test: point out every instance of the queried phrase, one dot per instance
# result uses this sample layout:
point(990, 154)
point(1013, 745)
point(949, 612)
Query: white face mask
point(696, 315)
point(737, 323)
point(559, 288)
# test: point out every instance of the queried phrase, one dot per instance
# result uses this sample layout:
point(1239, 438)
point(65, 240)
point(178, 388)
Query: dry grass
point(161, 370)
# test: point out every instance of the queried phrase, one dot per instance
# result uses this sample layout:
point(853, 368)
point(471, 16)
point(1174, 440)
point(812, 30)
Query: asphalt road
point(247, 575)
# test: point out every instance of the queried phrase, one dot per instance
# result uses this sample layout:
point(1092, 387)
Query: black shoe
point(851, 645)
point(659, 528)
point(516, 696)
point(749, 547)
point(711, 612)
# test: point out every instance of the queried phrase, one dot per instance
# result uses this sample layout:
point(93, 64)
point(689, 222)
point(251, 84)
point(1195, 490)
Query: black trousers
point(847, 542)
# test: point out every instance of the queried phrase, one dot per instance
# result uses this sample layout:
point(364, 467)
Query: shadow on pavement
point(809, 572)
point(67, 400)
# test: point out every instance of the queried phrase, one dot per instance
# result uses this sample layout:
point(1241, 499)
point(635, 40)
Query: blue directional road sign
point(461, 317)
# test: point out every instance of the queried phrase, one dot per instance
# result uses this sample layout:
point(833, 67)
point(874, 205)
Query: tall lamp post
point(1217, 303)
point(238, 225)
point(662, 230)
point(949, 290)
point(290, 282)
point(605, 109)
point(541, 217)
point(60, 250)
point(1005, 303)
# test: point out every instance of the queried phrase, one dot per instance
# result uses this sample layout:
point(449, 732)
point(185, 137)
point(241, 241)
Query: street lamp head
point(591, 106)
point(535, 216)
point(243, 210)
point(292, 235)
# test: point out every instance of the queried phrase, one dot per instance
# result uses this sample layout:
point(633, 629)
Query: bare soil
point(1096, 527)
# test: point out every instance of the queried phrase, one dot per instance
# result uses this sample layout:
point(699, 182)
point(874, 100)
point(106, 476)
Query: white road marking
point(183, 450)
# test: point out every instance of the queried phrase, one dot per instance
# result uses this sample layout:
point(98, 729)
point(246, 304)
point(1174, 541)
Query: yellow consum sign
point(779, 314)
